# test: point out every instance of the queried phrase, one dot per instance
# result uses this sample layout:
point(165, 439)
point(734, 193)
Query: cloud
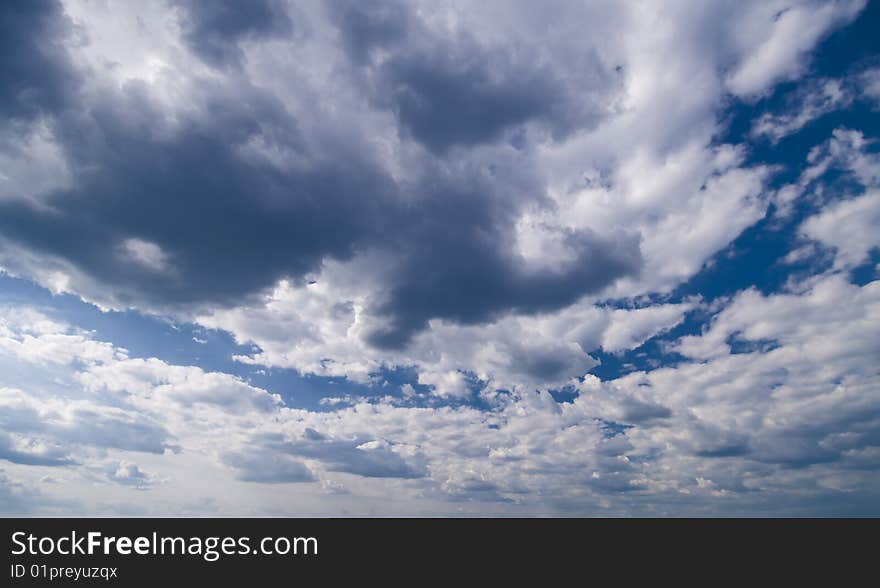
point(129, 474)
point(451, 88)
point(268, 469)
point(793, 31)
point(474, 282)
point(370, 458)
point(363, 30)
point(870, 82)
point(631, 328)
point(35, 76)
point(201, 161)
point(450, 384)
point(145, 253)
point(46, 425)
point(823, 341)
point(809, 103)
point(214, 29)
point(814, 98)
point(849, 227)
point(31, 452)
point(844, 214)
point(317, 330)
point(155, 382)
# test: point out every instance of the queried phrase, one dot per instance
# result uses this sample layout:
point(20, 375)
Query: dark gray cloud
point(214, 28)
point(225, 220)
point(455, 91)
point(462, 267)
point(34, 76)
point(366, 26)
point(443, 99)
point(229, 226)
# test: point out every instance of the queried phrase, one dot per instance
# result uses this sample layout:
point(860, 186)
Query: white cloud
point(814, 100)
point(145, 253)
point(631, 328)
point(129, 474)
point(783, 35)
point(850, 227)
point(33, 167)
point(447, 384)
point(847, 219)
point(870, 80)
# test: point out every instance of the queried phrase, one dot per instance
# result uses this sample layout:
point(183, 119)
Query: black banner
point(134, 552)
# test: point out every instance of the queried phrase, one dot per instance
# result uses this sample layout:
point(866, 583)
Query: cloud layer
point(495, 220)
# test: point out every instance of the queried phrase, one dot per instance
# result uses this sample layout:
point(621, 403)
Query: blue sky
point(319, 258)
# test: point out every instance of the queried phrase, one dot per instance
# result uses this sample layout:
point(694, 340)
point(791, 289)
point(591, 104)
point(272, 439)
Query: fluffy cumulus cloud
point(496, 223)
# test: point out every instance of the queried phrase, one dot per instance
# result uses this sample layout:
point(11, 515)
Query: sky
point(499, 258)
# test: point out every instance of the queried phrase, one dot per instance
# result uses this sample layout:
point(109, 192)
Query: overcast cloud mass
point(426, 258)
